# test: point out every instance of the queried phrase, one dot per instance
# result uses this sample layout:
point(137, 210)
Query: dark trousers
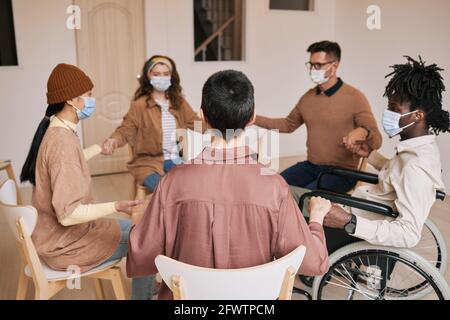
point(338, 238)
point(306, 175)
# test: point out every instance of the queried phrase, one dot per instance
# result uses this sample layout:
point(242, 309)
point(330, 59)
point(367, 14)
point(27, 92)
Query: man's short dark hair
point(228, 101)
point(330, 48)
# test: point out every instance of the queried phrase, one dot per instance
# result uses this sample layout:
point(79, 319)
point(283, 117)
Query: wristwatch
point(350, 227)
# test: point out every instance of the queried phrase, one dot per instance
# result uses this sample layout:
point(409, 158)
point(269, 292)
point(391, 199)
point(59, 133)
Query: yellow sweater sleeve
point(89, 212)
point(92, 152)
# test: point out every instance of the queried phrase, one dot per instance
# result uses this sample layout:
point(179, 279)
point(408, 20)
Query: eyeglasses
point(318, 65)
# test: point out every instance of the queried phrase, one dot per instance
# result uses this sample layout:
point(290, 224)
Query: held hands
point(337, 218)
point(318, 209)
point(355, 142)
point(109, 146)
point(361, 149)
point(128, 207)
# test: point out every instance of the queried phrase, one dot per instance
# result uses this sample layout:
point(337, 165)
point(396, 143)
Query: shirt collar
point(414, 143)
point(231, 155)
point(58, 122)
point(152, 103)
point(332, 90)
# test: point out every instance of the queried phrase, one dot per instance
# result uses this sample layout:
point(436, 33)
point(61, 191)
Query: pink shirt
point(219, 212)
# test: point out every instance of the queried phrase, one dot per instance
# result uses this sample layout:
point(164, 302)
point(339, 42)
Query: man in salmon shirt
point(209, 213)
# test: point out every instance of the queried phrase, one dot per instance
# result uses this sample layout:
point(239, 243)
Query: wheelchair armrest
point(352, 202)
point(347, 173)
point(440, 195)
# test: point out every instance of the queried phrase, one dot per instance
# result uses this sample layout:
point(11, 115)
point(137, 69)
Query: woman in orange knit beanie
point(71, 230)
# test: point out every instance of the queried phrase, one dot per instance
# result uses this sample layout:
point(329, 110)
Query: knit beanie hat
point(67, 82)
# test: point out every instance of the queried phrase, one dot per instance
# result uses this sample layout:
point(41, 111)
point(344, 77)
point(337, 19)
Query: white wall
point(276, 43)
point(42, 42)
point(409, 27)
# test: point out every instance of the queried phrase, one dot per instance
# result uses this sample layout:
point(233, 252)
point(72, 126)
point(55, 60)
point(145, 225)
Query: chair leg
point(41, 294)
point(288, 284)
point(22, 287)
point(99, 289)
point(117, 283)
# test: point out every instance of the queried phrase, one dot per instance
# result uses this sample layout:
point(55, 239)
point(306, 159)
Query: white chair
point(8, 192)
point(22, 221)
point(7, 166)
point(266, 282)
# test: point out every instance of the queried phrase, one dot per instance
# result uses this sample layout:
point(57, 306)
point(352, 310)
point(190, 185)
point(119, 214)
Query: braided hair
point(422, 86)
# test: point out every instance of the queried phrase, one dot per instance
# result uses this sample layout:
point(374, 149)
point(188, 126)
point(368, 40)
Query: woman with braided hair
point(408, 182)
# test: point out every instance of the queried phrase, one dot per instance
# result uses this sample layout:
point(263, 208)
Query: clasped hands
point(356, 142)
point(328, 214)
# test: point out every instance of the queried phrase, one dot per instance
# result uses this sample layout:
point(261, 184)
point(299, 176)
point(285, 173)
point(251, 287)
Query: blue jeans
point(142, 288)
point(306, 175)
point(152, 180)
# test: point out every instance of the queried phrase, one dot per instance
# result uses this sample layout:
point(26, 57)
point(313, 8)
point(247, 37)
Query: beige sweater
point(328, 121)
point(63, 186)
point(90, 212)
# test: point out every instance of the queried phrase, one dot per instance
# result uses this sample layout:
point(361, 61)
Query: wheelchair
point(372, 272)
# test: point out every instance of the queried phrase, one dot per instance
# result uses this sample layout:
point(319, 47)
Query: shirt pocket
point(149, 140)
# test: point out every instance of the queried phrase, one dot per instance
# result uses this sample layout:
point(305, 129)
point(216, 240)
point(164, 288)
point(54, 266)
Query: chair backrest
point(12, 214)
point(8, 192)
point(265, 282)
point(22, 221)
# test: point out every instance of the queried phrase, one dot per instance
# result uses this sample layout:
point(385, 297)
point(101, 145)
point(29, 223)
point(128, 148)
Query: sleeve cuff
point(376, 160)
point(315, 226)
point(92, 151)
point(365, 229)
point(87, 213)
point(320, 223)
point(119, 138)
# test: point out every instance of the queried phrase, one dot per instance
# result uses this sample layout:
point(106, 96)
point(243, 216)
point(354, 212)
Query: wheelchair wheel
point(433, 247)
point(361, 271)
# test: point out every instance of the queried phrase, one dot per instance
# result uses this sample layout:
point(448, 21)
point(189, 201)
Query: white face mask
point(391, 122)
point(161, 83)
point(318, 76)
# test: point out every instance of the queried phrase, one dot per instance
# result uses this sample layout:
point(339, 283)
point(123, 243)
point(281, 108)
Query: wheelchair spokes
point(432, 246)
point(380, 275)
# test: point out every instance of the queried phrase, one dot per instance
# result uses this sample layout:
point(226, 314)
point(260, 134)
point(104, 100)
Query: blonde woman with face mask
point(71, 230)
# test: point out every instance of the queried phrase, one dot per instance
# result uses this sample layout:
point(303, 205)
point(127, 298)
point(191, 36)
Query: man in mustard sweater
point(337, 116)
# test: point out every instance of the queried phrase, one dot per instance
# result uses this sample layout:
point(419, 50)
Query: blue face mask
point(391, 122)
point(89, 108)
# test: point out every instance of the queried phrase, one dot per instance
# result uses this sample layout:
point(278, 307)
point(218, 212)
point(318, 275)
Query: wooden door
point(111, 50)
